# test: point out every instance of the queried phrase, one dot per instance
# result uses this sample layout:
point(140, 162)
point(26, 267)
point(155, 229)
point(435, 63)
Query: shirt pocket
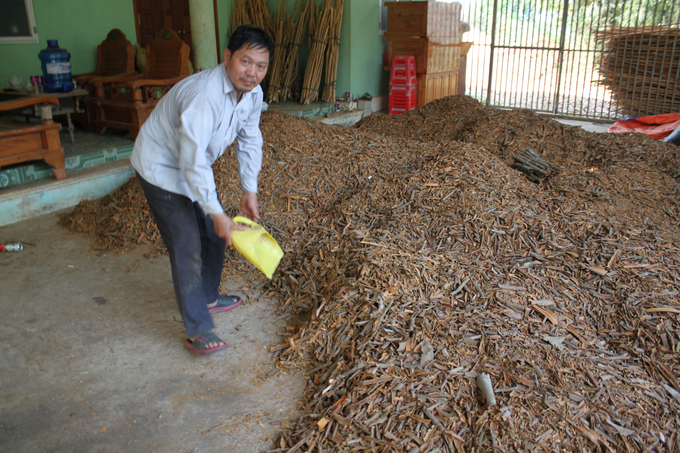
point(240, 124)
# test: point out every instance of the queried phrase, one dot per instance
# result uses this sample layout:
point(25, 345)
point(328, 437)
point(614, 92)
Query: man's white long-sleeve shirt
point(191, 127)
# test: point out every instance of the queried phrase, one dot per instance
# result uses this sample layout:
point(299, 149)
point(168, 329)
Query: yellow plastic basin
point(257, 246)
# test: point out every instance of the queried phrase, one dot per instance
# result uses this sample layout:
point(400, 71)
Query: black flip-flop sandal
point(200, 344)
point(224, 303)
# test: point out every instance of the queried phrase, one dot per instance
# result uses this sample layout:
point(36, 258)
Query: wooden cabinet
point(430, 31)
point(430, 19)
point(436, 86)
point(430, 56)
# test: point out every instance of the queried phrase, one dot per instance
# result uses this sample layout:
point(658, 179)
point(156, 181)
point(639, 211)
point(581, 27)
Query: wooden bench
point(22, 141)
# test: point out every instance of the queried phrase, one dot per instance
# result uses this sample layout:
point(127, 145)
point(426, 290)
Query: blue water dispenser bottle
point(56, 68)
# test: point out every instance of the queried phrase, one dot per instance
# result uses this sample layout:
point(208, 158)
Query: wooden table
point(22, 141)
point(68, 103)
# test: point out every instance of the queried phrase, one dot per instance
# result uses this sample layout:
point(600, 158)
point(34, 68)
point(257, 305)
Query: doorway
point(152, 15)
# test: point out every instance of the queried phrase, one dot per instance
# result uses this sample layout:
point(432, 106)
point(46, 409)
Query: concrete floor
point(92, 356)
point(589, 126)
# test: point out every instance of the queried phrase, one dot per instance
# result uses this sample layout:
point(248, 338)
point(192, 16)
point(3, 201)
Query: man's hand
point(249, 206)
point(224, 226)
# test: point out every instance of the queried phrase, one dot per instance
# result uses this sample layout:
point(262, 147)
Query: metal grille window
point(17, 22)
point(582, 58)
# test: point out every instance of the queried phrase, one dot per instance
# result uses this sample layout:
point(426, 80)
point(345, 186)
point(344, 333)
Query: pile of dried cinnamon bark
point(417, 258)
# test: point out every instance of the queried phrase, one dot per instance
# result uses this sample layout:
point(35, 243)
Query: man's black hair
point(251, 36)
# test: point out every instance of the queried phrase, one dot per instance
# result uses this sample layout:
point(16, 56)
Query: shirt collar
point(226, 83)
point(229, 87)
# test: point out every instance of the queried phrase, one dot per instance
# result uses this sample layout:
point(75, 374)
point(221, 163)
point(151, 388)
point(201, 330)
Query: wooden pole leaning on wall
point(287, 34)
point(277, 61)
point(284, 36)
point(333, 53)
point(290, 72)
point(239, 15)
point(319, 33)
point(261, 17)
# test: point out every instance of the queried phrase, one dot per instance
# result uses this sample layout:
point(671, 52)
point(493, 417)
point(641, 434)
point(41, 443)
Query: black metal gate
point(599, 59)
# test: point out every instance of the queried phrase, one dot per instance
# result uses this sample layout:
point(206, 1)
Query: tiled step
point(46, 195)
point(21, 174)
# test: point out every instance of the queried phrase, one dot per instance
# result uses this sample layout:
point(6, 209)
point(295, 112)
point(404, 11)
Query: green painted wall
point(344, 80)
point(366, 50)
point(80, 25)
point(360, 67)
point(223, 15)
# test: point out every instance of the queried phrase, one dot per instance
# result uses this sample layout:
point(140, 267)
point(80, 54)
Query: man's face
point(246, 67)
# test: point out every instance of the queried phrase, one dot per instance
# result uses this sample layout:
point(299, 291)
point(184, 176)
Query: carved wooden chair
point(115, 57)
point(21, 141)
point(132, 101)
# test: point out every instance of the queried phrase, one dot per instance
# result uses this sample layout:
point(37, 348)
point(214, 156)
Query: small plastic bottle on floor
point(12, 247)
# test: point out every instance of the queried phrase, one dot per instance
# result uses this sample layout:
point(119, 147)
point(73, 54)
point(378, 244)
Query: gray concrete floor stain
point(92, 356)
